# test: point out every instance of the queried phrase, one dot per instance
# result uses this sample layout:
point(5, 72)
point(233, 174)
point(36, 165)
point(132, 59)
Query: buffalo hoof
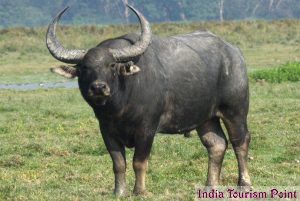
point(244, 186)
point(120, 192)
point(141, 193)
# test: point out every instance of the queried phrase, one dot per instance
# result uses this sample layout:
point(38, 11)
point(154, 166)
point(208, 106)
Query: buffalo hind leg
point(240, 138)
point(140, 163)
point(213, 138)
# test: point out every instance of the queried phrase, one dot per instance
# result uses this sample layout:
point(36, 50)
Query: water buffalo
point(141, 84)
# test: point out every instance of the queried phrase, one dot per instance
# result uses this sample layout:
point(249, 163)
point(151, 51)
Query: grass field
point(51, 147)
point(25, 58)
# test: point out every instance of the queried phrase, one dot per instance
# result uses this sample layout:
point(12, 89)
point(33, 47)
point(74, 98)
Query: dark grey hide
point(176, 84)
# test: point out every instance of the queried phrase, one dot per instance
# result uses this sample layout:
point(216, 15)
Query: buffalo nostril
point(102, 86)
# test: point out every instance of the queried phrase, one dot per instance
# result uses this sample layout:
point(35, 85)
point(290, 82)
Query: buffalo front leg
point(119, 168)
point(117, 153)
point(140, 163)
point(213, 138)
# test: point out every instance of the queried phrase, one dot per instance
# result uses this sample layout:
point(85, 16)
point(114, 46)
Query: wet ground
point(32, 86)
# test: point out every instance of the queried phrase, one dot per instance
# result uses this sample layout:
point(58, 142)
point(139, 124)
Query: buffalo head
point(98, 69)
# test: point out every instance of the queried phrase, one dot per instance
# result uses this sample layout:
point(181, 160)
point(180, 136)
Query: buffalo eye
point(113, 68)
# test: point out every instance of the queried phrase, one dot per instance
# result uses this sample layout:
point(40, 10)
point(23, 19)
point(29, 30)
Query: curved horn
point(140, 46)
point(56, 49)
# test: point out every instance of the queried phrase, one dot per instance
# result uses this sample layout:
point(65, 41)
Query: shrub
point(286, 72)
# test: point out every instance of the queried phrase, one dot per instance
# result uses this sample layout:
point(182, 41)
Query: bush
point(286, 72)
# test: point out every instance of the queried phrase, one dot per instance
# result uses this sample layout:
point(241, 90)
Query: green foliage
point(287, 72)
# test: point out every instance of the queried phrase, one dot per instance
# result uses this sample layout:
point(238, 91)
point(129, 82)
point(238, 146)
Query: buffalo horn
point(56, 49)
point(124, 54)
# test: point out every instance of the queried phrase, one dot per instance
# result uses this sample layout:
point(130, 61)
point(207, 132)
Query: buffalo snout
point(98, 88)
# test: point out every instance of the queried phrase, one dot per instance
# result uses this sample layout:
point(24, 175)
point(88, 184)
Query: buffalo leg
point(140, 163)
point(117, 153)
point(240, 138)
point(213, 138)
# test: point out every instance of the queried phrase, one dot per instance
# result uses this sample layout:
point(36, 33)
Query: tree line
point(40, 12)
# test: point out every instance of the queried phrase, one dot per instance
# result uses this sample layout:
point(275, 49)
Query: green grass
point(286, 72)
point(51, 148)
point(264, 43)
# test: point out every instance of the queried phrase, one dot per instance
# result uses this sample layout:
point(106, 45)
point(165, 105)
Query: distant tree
point(221, 6)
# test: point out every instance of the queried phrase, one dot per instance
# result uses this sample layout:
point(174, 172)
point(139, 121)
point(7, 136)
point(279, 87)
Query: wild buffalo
point(139, 85)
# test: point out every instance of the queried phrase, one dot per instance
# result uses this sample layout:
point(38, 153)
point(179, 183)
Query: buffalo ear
point(128, 69)
point(66, 71)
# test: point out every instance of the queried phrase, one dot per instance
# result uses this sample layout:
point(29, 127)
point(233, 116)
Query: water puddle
point(32, 86)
